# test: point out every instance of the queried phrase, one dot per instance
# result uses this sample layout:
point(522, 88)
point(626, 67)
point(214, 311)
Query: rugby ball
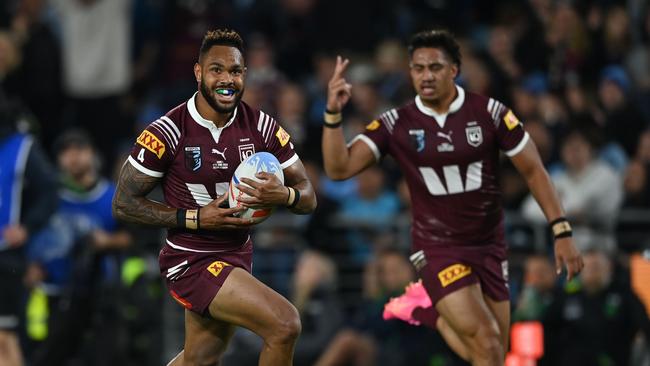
point(258, 162)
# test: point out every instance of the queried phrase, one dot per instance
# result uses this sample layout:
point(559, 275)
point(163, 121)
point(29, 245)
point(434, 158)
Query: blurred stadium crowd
point(86, 76)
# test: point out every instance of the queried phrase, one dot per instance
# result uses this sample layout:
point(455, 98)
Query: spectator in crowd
point(37, 42)
point(591, 191)
point(539, 285)
point(26, 202)
point(593, 321)
point(371, 341)
point(623, 120)
point(291, 106)
point(96, 44)
point(79, 255)
point(373, 208)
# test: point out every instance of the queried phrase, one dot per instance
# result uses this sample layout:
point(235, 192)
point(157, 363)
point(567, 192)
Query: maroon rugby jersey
point(451, 166)
point(196, 161)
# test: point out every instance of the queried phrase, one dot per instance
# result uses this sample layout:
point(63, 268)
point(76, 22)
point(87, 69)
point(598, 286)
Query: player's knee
point(287, 326)
point(202, 356)
point(486, 343)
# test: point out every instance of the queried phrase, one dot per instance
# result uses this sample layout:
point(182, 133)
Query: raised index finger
point(341, 65)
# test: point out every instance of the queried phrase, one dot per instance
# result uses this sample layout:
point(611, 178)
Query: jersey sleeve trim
point(520, 146)
point(149, 172)
point(371, 144)
point(289, 161)
point(496, 110)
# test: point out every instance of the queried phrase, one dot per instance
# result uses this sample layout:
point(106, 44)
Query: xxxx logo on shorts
point(151, 143)
point(453, 273)
point(216, 267)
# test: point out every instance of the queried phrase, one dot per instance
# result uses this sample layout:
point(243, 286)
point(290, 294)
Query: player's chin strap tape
point(188, 219)
point(561, 228)
point(332, 120)
point(294, 197)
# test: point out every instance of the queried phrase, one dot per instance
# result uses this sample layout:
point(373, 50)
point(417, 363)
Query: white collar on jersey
point(442, 117)
point(191, 107)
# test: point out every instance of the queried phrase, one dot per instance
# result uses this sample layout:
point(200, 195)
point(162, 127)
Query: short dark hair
point(436, 38)
point(221, 37)
point(74, 137)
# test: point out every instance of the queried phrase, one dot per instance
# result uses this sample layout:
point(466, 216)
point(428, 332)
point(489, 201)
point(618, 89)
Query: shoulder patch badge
point(511, 120)
point(283, 136)
point(373, 125)
point(453, 273)
point(150, 142)
point(216, 267)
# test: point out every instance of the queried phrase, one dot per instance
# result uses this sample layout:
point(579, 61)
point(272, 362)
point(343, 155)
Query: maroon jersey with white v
point(196, 161)
point(451, 164)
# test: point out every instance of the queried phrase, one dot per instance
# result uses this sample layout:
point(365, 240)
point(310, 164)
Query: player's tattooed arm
point(131, 204)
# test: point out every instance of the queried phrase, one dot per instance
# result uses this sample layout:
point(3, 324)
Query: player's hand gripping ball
point(258, 162)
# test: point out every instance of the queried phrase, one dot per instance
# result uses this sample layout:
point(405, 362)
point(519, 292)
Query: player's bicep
point(133, 183)
point(361, 156)
point(295, 174)
point(527, 160)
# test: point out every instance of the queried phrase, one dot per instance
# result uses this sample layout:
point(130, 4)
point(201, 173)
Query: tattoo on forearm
point(131, 204)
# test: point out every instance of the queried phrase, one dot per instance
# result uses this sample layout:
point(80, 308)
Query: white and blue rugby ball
point(258, 162)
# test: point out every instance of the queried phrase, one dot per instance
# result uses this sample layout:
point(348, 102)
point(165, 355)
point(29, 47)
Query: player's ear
point(454, 70)
point(197, 72)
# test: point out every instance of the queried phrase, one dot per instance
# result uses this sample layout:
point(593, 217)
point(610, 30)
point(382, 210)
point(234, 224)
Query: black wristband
point(180, 217)
point(296, 199)
point(561, 228)
point(566, 234)
point(330, 112)
point(332, 125)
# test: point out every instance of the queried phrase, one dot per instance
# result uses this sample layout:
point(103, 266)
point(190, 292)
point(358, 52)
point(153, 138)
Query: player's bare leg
point(453, 339)
point(501, 311)
point(470, 317)
point(10, 354)
point(205, 340)
point(247, 302)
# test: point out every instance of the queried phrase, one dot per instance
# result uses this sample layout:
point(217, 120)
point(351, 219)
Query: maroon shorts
point(444, 270)
point(193, 279)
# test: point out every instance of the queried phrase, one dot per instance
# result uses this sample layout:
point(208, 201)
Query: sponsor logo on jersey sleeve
point(474, 135)
point(282, 136)
point(511, 120)
point(373, 125)
point(193, 158)
point(453, 273)
point(150, 142)
point(216, 267)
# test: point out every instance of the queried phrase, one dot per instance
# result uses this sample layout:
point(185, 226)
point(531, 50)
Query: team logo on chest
point(245, 151)
point(193, 158)
point(474, 134)
point(220, 164)
point(417, 139)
